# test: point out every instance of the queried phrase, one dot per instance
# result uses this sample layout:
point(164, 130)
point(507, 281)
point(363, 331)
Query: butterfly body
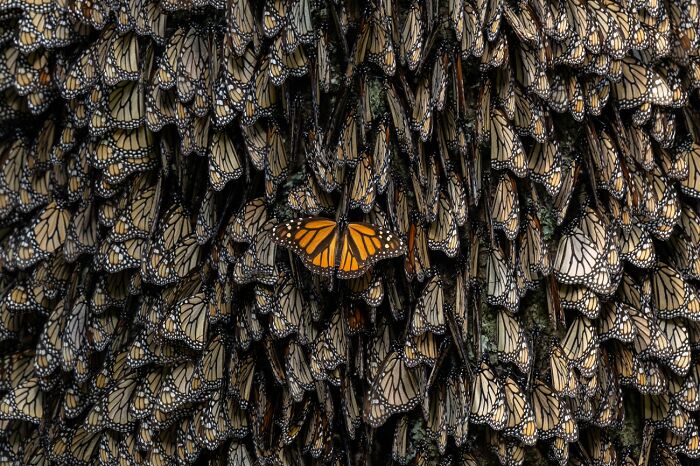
point(345, 249)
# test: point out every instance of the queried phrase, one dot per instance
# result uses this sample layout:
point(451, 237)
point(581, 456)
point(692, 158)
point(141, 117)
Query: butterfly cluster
point(281, 232)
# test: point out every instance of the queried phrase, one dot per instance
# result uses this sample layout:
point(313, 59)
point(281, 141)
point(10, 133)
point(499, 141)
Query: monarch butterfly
point(81, 75)
point(193, 70)
point(529, 116)
point(317, 440)
point(287, 314)
point(245, 224)
point(207, 219)
point(596, 226)
point(417, 262)
point(24, 401)
point(690, 185)
point(126, 107)
point(427, 177)
point(73, 337)
point(488, 399)
point(473, 42)
point(666, 210)
point(382, 155)
point(224, 161)
point(188, 321)
point(533, 257)
point(607, 161)
point(500, 282)
point(421, 349)
point(648, 377)
point(429, 313)
point(322, 60)
point(260, 99)
point(283, 64)
point(308, 198)
point(293, 418)
point(139, 218)
point(615, 323)
point(242, 26)
point(649, 340)
point(552, 416)
point(122, 59)
point(44, 235)
point(299, 26)
point(579, 261)
point(521, 419)
point(495, 53)
point(512, 342)
point(456, 195)
point(676, 333)
point(82, 237)
point(506, 147)
point(671, 295)
point(242, 370)
point(347, 149)
point(179, 386)
point(363, 189)
point(686, 445)
point(641, 84)
point(506, 211)
point(344, 250)
point(215, 421)
point(581, 343)
point(239, 75)
point(440, 80)
point(412, 37)
point(298, 374)
point(684, 391)
point(523, 22)
point(258, 261)
point(113, 410)
point(685, 260)
point(422, 116)
point(368, 287)
point(376, 41)
point(564, 379)
point(393, 390)
point(460, 389)
point(638, 247)
point(331, 346)
point(675, 166)
point(400, 445)
point(530, 70)
point(400, 120)
point(443, 234)
point(509, 451)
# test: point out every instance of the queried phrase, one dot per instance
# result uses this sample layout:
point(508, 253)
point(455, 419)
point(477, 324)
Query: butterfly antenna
point(487, 216)
point(554, 303)
point(315, 91)
point(593, 142)
point(434, 372)
point(477, 326)
point(456, 336)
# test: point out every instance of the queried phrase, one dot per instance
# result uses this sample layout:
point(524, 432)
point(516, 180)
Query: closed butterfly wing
point(488, 399)
point(394, 390)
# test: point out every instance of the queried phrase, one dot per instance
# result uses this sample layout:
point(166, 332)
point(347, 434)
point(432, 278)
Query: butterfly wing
point(364, 244)
point(314, 239)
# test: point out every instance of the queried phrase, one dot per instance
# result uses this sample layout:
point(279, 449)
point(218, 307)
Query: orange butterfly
point(328, 247)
